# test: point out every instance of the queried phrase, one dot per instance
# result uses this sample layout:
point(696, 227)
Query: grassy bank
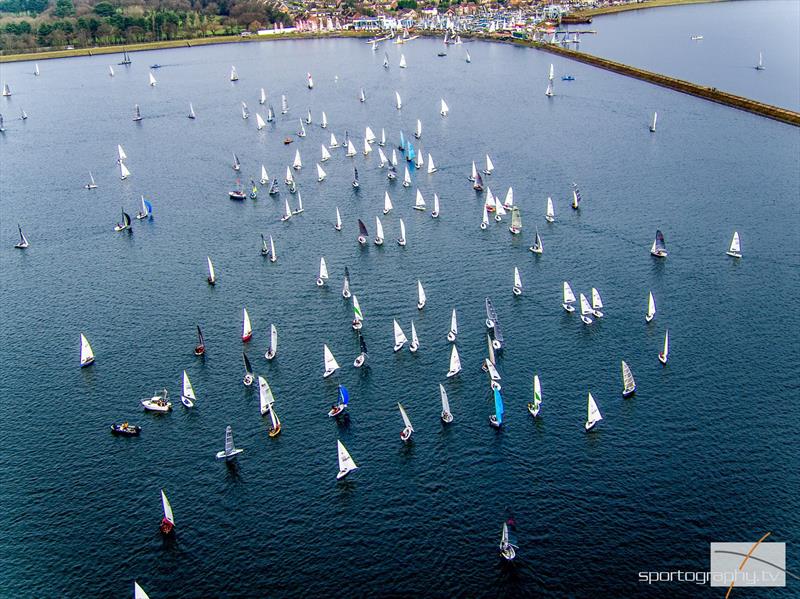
point(605, 10)
point(202, 41)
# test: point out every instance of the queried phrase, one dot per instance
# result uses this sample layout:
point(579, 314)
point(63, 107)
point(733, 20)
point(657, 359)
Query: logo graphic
point(756, 564)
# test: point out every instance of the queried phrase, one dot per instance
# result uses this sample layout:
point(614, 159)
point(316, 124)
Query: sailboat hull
point(187, 401)
point(359, 361)
point(517, 290)
point(87, 362)
point(447, 417)
point(247, 380)
point(533, 410)
point(733, 254)
point(627, 392)
point(662, 358)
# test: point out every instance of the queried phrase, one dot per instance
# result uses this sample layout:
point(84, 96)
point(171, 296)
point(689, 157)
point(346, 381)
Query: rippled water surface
point(706, 451)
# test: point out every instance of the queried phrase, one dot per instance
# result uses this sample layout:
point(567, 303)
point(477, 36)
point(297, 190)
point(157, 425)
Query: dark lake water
point(660, 40)
point(705, 451)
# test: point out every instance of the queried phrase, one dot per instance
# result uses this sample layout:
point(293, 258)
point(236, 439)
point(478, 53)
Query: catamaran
point(401, 241)
point(87, 355)
point(597, 303)
point(137, 114)
point(576, 197)
point(200, 348)
point(414, 345)
point(323, 272)
point(23, 241)
point(363, 234)
point(550, 215)
point(651, 308)
point(341, 405)
point(537, 246)
point(455, 363)
point(400, 338)
point(168, 521)
point(517, 282)
point(230, 451)
point(247, 329)
point(568, 298)
point(187, 392)
point(447, 416)
point(212, 277)
point(159, 402)
point(653, 124)
point(489, 166)
point(535, 406)
point(516, 219)
point(735, 249)
point(248, 371)
point(362, 357)
point(91, 184)
point(507, 550)
point(586, 310)
point(593, 413)
point(272, 350)
point(659, 249)
point(146, 210)
point(234, 75)
point(408, 429)
point(453, 332)
point(125, 224)
point(496, 419)
point(663, 355)
point(346, 463)
point(265, 397)
point(628, 382)
point(331, 365)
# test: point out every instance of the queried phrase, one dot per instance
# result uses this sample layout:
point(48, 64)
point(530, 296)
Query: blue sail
point(411, 154)
point(149, 207)
point(498, 406)
point(344, 397)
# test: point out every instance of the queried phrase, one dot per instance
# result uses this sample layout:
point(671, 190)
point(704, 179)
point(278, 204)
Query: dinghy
point(331, 365)
point(323, 272)
point(23, 243)
point(444, 110)
point(421, 297)
point(263, 97)
point(137, 114)
point(653, 124)
point(338, 224)
point(455, 363)
point(362, 97)
point(367, 147)
point(488, 366)
point(453, 332)
point(398, 102)
point(187, 392)
point(300, 208)
point(382, 158)
point(537, 246)
point(152, 80)
point(516, 219)
point(237, 166)
point(247, 329)
point(506, 548)
point(517, 282)
point(407, 179)
point(324, 121)
point(651, 308)
point(121, 155)
point(628, 383)
point(238, 193)
point(478, 184)
point(191, 114)
point(159, 402)
point(414, 345)
point(391, 174)
point(387, 203)
point(260, 124)
point(287, 211)
point(535, 406)
point(402, 64)
point(341, 405)
point(447, 416)
point(200, 348)
point(167, 521)
point(568, 298)
point(272, 350)
point(245, 111)
point(419, 203)
point(362, 357)
point(248, 371)
point(586, 310)
point(576, 197)
point(346, 284)
point(265, 397)
point(284, 104)
point(597, 303)
point(91, 184)
point(273, 257)
point(382, 142)
point(550, 215)
point(659, 248)
point(363, 235)
point(346, 463)
point(125, 224)
point(418, 130)
point(496, 419)
point(270, 114)
point(87, 355)
point(735, 249)
point(126, 429)
point(385, 60)
point(593, 414)
point(489, 166)
point(309, 81)
point(110, 71)
point(369, 135)
point(435, 211)
point(355, 178)
point(234, 75)
point(36, 69)
point(431, 167)
point(124, 173)
point(302, 131)
point(351, 149)
point(408, 429)
point(146, 210)
point(400, 338)
point(273, 187)
point(378, 232)
point(275, 423)
point(321, 174)
point(467, 57)
point(484, 218)
point(212, 277)
point(401, 241)
point(760, 63)
point(297, 164)
point(230, 451)
point(325, 154)
point(334, 142)
point(663, 355)
point(264, 176)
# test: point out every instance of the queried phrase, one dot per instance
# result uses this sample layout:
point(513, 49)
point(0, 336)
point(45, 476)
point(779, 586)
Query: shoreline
point(609, 10)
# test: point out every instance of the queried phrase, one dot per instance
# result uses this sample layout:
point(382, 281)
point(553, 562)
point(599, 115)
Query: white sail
point(444, 110)
point(309, 81)
point(325, 154)
point(550, 214)
point(297, 164)
point(490, 367)
point(653, 125)
point(586, 309)
point(369, 135)
point(264, 175)
point(508, 203)
point(651, 307)
point(421, 297)
point(593, 413)
point(260, 124)
point(138, 592)
point(351, 149)
point(490, 348)
point(212, 277)
point(419, 203)
point(272, 255)
point(382, 142)
point(402, 61)
point(406, 178)
point(367, 147)
point(188, 390)
point(168, 516)
point(517, 279)
point(499, 210)
point(378, 231)
point(435, 212)
point(87, 355)
point(263, 98)
point(338, 219)
point(418, 131)
point(247, 328)
point(489, 165)
point(400, 338)
point(382, 157)
point(597, 301)
point(474, 174)
point(287, 210)
point(628, 382)
point(331, 365)
point(152, 79)
point(414, 338)
point(323, 269)
point(387, 203)
point(321, 174)
point(346, 463)
point(124, 173)
point(121, 155)
point(735, 248)
point(454, 323)
point(398, 101)
point(569, 296)
point(357, 313)
point(273, 340)
point(266, 399)
point(333, 143)
point(234, 75)
point(484, 218)
point(402, 240)
point(537, 393)
point(431, 166)
point(455, 362)
point(110, 71)
point(406, 420)
point(394, 157)
point(550, 76)
point(419, 160)
point(445, 401)
point(665, 352)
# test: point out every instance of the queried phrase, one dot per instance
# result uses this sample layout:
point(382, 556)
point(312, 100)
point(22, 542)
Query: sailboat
point(284, 104)
point(346, 463)
point(309, 81)
point(324, 121)
point(367, 147)
point(760, 64)
point(735, 249)
point(467, 57)
point(653, 124)
point(355, 178)
point(576, 196)
point(414, 345)
point(447, 416)
point(302, 131)
point(628, 382)
point(152, 80)
point(398, 102)
point(126, 58)
point(273, 257)
point(341, 405)
point(474, 174)
point(346, 284)
point(382, 142)
point(455, 363)
point(489, 166)
point(508, 203)
point(265, 397)
point(351, 149)
point(593, 413)
point(287, 210)
point(401, 241)
point(663, 355)
point(159, 402)
point(408, 429)
point(478, 184)
point(138, 592)
point(400, 338)
point(378, 232)
point(264, 176)
point(407, 179)
point(146, 210)
point(137, 114)
point(435, 211)
point(549, 91)
point(272, 350)
point(402, 64)
point(212, 277)
point(659, 249)
point(23, 241)
point(91, 184)
point(248, 371)
point(387, 203)
point(516, 219)
point(361, 96)
point(550, 215)
point(517, 282)
point(484, 218)
point(331, 365)
point(230, 451)
point(321, 174)
point(537, 246)
point(382, 158)
point(338, 224)
point(168, 521)
point(421, 297)
point(300, 208)
point(124, 173)
point(297, 164)
point(419, 202)
point(87, 355)
point(270, 114)
point(36, 69)
point(110, 71)
point(121, 155)
point(191, 114)
point(444, 109)
point(325, 154)
point(597, 303)
point(431, 166)
point(200, 348)
point(234, 75)
point(586, 310)
point(363, 234)
point(245, 111)
point(496, 419)
point(362, 357)
point(125, 224)
point(236, 164)
point(323, 272)
point(369, 134)
point(260, 124)
point(385, 60)
point(263, 97)
point(535, 406)
point(247, 329)
point(453, 332)
point(418, 130)
point(187, 392)
point(569, 298)
point(506, 548)
point(651, 308)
